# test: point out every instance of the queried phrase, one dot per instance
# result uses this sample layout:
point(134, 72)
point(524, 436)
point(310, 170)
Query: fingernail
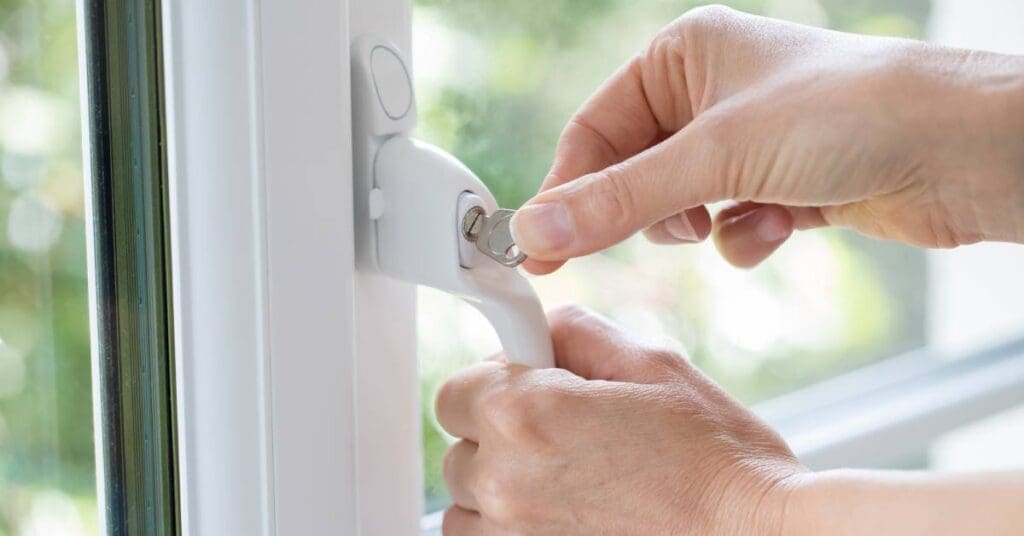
point(544, 228)
point(679, 226)
point(771, 229)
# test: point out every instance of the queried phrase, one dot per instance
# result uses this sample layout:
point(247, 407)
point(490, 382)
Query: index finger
point(633, 110)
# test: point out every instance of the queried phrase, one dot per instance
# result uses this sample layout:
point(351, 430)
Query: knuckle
point(567, 315)
point(666, 363)
point(448, 463)
point(669, 359)
point(445, 394)
point(510, 413)
point(613, 197)
point(579, 131)
point(666, 357)
point(528, 412)
point(462, 388)
point(548, 398)
point(498, 497)
point(707, 18)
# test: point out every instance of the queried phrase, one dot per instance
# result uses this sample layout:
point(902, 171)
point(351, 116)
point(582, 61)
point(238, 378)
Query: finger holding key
point(864, 132)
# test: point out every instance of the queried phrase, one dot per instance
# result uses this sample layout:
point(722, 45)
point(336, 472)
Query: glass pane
point(992, 444)
point(47, 483)
point(496, 82)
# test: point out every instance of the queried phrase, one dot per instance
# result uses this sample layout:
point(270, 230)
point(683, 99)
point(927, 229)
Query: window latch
point(423, 217)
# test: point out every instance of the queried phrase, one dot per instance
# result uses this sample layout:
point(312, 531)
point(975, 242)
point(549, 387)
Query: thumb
point(591, 347)
point(601, 209)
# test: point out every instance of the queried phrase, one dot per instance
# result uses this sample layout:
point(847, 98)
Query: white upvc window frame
point(297, 386)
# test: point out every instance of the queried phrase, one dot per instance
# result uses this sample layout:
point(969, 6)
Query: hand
point(623, 439)
point(801, 127)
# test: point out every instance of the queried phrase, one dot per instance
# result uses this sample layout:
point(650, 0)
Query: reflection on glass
point(46, 452)
point(497, 80)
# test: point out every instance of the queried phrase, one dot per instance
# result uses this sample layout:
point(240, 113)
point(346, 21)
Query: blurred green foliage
point(46, 450)
point(497, 81)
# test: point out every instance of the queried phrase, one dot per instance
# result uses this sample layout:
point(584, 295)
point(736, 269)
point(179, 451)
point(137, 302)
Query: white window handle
point(410, 201)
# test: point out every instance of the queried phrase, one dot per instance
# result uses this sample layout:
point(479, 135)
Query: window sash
point(298, 402)
point(888, 413)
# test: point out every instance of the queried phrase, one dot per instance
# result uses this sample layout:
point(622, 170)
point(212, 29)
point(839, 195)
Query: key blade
point(495, 239)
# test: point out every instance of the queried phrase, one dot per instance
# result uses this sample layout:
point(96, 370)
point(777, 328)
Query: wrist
point(775, 507)
point(799, 514)
point(1015, 109)
point(827, 502)
point(998, 140)
point(850, 502)
point(760, 504)
point(853, 502)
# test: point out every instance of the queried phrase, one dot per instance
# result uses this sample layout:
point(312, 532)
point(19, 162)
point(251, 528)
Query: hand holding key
point(800, 128)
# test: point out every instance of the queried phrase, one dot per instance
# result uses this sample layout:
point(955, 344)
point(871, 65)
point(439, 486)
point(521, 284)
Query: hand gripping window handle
point(423, 217)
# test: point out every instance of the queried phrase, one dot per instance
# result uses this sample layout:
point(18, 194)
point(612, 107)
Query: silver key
point(492, 235)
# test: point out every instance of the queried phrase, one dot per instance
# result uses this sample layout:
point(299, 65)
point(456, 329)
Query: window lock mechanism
point(424, 217)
